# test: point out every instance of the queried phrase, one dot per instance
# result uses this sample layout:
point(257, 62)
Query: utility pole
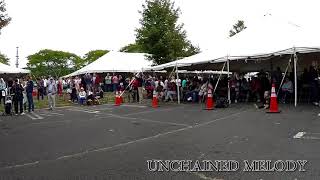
point(17, 56)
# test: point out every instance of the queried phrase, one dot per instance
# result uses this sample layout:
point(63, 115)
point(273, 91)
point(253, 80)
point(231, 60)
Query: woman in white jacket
point(2, 90)
point(82, 96)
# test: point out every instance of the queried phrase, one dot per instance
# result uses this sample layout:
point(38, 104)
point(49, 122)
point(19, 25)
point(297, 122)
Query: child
point(266, 103)
point(82, 96)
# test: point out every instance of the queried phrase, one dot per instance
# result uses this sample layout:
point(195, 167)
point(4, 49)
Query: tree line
point(160, 36)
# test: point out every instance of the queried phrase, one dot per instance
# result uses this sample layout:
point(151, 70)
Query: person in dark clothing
point(29, 90)
point(83, 82)
point(265, 86)
point(313, 75)
point(17, 90)
point(40, 86)
point(73, 95)
point(277, 78)
point(140, 90)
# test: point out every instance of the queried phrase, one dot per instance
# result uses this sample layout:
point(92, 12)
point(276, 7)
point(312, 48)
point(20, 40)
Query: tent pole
point(215, 88)
point(228, 68)
point(295, 78)
point(178, 88)
point(285, 74)
point(130, 83)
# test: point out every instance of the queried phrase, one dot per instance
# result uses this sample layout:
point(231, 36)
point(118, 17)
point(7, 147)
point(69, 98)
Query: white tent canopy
point(272, 36)
point(201, 57)
point(116, 62)
point(268, 37)
point(5, 69)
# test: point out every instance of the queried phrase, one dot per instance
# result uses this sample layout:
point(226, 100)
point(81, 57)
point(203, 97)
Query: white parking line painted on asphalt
point(36, 115)
point(134, 141)
point(51, 114)
point(299, 135)
point(202, 176)
point(84, 110)
point(21, 165)
point(147, 120)
point(31, 117)
point(50, 122)
point(132, 105)
point(102, 109)
point(148, 138)
point(311, 137)
point(145, 112)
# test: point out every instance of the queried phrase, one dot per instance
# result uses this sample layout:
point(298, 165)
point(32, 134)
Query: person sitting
point(286, 90)
point(159, 90)
point(171, 91)
point(255, 88)
point(193, 91)
point(100, 93)
point(82, 96)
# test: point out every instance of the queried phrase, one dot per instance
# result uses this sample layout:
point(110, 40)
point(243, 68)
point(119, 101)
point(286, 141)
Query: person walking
point(52, 90)
point(17, 89)
point(29, 90)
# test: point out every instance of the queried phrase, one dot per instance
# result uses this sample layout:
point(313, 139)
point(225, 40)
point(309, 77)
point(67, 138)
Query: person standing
point(140, 90)
point(313, 75)
point(45, 82)
point(60, 87)
point(40, 86)
point(115, 82)
point(2, 90)
point(29, 90)
point(24, 93)
point(17, 89)
point(52, 90)
point(107, 81)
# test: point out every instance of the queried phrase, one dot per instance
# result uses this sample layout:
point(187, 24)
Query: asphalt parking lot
point(108, 142)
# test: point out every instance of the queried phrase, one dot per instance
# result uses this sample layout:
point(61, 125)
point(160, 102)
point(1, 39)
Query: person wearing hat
point(52, 91)
point(82, 96)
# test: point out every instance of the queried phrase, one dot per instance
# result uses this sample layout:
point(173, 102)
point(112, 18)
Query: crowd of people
point(89, 88)
point(19, 93)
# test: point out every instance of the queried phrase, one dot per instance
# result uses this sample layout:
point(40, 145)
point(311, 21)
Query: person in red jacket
point(60, 87)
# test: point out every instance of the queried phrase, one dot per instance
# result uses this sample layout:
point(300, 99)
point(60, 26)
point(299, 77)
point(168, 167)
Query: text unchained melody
point(227, 165)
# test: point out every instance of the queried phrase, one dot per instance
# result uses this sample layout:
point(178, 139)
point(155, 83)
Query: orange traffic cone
point(154, 100)
point(273, 101)
point(117, 100)
point(120, 97)
point(210, 101)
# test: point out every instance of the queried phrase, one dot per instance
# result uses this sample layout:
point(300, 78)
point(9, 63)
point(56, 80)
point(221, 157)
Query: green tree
point(4, 59)
point(93, 55)
point(160, 35)
point(55, 63)
point(132, 48)
point(4, 18)
point(238, 27)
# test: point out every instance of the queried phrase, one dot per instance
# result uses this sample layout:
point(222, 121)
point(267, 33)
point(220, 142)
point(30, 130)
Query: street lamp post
point(17, 58)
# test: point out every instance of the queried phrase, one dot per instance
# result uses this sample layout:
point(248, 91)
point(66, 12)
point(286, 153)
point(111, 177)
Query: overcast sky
point(79, 26)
